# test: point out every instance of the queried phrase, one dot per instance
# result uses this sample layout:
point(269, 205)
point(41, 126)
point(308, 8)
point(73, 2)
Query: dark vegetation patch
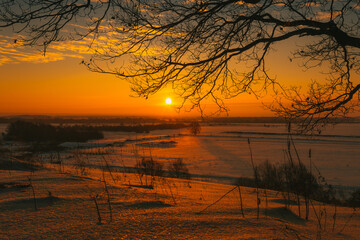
point(296, 178)
point(289, 177)
point(150, 167)
point(42, 132)
point(177, 168)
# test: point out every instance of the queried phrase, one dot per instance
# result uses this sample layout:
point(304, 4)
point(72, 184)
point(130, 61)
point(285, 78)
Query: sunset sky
point(58, 84)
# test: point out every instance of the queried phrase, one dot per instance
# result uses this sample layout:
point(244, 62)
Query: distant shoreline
point(152, 120)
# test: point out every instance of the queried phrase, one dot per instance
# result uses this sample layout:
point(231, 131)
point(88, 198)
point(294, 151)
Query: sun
point(168, 101)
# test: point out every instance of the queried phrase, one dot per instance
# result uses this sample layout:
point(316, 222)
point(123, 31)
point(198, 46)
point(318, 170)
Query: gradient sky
point(57, 84)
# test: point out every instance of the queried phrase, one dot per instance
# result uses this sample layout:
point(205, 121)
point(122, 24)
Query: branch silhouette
point(209, 49)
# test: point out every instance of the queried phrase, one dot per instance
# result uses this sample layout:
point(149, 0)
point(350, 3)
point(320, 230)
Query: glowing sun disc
point(168, 101)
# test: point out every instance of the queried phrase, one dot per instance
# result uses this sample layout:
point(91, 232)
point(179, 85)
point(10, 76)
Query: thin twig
point(217, 200)
point(108, 196)
point(33, 192)
point(241, 202)
point(256, 181)
point(347, 222)
point(97, 207)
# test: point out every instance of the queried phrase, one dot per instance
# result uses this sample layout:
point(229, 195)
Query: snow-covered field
point(173, 209)
point(223, 151)
point(66, 197)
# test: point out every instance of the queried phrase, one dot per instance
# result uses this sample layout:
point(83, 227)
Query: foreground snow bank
point(173, 209)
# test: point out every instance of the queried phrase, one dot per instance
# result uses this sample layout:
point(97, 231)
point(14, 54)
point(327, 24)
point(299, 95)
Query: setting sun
point(168, 101)
point(86, 90)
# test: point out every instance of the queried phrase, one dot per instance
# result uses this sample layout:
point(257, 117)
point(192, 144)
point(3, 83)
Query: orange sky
point(65, 87)
point(57, 84)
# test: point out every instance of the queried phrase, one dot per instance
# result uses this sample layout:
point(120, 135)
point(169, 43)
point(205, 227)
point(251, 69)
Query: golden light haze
point(61, 85)
point(65, 87)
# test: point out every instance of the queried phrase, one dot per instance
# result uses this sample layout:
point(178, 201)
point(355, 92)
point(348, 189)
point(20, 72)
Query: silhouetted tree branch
point(209, 48)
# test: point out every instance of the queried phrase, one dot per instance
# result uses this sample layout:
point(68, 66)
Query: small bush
point(149, 167)
point(178, 169)
point(297, 179)
point(288, 177)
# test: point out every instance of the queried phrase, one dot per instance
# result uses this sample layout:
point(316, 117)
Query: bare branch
point(208, 49)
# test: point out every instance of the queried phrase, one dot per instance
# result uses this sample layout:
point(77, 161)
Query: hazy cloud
point(12, 52)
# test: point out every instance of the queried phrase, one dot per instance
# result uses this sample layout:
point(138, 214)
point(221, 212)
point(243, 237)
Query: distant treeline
point(41, 132)
point(91, 120)
point(134, 121)
point(231, 120)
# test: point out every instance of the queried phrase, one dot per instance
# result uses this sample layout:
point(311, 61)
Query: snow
point(173, 209)
point(176, 208)
point(216, 153)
